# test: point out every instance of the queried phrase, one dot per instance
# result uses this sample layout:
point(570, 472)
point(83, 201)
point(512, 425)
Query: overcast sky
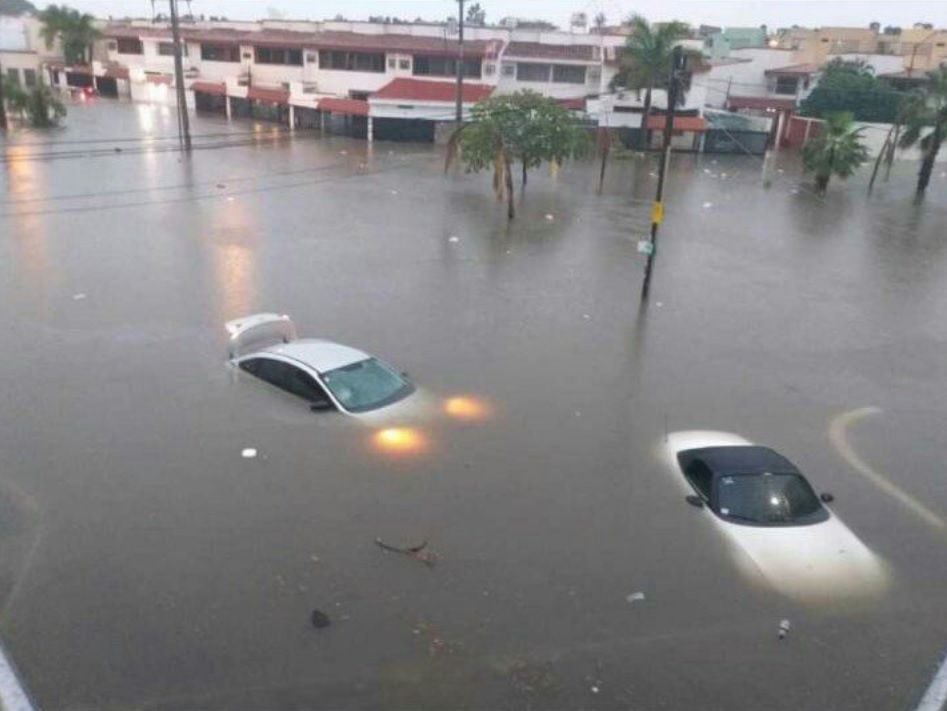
point(773, 13)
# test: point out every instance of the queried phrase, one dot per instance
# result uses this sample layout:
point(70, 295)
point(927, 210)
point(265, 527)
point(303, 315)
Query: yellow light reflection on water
point(465, 407)
point(400, 440)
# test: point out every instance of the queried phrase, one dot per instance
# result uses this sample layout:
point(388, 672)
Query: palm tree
point(921, 111)
point(75, 30)
point(837, 150)
point(646, 60)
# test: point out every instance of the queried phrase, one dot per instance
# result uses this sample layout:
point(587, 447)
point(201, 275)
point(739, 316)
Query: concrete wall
point(746, 77)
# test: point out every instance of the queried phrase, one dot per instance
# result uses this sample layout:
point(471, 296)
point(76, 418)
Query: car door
point(701, 478)
point(288, 377)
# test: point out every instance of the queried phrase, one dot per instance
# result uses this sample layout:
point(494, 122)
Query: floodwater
point(145, 564)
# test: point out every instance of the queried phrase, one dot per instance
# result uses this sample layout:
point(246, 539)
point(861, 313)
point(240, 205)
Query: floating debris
point(248, 453)
point(783, 628)
point(453, 238)
point(418, 552)
point(78, 297)
point(550, 217)
point(230, 198)
point(635, 597)
point(707, 204)
point(320, 620)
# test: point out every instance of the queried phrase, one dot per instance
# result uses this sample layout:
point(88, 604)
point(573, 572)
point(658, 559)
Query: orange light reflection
point(464, 407)
point(400, 440)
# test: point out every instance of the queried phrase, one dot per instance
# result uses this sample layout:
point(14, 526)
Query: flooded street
point(145, 564)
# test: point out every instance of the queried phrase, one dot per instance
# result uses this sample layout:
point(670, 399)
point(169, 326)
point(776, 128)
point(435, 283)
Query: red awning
point(761, 102)
point(79, 69)
point(437, 91)
point(696, 124)
point(159, 78)
point(116, 72)
point(352, 107)
point(209, 87)
point(572, 104)
point(272, 96)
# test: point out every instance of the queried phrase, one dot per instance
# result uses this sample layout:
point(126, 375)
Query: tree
point(848, 85)
point(837, 150)
point(525, 127)
point(75, 30)
point(645, 60)
point(476, 15)
point(41, 107)
point(600, 21)
point(17, 7)
point(927, 109)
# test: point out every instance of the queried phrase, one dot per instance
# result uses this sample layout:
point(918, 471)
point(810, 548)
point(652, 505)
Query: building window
point(279, 55)
point(489, 69)
point(166, 49)
point(130, 46)
point(425, 66)
point(786, 85)
point(595, 74)
point(112, 46)
point(404, 64)
point(352, 61)
point(311, 58)
point(509, 70)
point(220, 53)
point(29, 77)
point(527, 71)
point(568, 74)
point(392, 62)
point(13, 76)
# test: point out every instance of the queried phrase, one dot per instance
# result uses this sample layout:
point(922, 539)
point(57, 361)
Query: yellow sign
point(657, 212)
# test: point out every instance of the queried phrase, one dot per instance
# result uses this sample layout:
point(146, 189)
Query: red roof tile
point(696, 124)
point(572, 104)
point(353, 107)
point(272, 96)
point(761, 102)
point(539, 50)
point(421, 90)
point(209, 87)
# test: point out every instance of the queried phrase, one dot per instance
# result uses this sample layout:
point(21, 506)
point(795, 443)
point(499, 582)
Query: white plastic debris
point(723, 175)
point(707, 170)
point(248, 453)
point(594, 689)
point(230, 198)
point(453, 238)
point(78, 297)
point(343, 153)
point(586, 316)
point(653, 174)
point(660, 304)
point(393, 192)
point(635, 597)
point(783, 628)
point(794, 191)
point(550, 217)
point(707, 204)
point(780, 170)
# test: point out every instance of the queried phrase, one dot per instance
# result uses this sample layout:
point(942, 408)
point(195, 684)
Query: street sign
point(645, 246)
point(657, 212)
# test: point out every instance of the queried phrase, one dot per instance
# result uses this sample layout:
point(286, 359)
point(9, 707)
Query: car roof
point(320, 355)
point(748, 459)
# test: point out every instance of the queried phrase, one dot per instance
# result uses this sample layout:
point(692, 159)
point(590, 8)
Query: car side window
point(286, 377)
point(251, 365)
point(701, 477)
point(300, 383)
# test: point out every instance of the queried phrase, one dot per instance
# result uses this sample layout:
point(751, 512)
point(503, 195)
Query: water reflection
point(234, 231)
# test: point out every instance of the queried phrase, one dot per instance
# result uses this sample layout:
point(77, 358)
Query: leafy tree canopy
point(17, 7)
point(852, 86)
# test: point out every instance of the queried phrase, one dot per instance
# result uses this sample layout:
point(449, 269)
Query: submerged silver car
point(328, 375)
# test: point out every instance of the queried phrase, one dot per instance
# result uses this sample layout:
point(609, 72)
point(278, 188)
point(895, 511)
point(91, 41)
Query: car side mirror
point(827, 497)
point(320, 405)
point(695, 501)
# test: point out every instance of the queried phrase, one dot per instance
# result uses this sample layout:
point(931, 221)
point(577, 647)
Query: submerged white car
point(329, 376)
point(776, 524)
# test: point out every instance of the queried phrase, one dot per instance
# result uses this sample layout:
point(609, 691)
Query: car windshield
point(366, 385)
point(767, 499)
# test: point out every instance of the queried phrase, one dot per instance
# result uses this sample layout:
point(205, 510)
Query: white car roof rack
point(259, 327)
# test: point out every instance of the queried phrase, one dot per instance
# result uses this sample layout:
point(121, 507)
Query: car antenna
point(665, 427)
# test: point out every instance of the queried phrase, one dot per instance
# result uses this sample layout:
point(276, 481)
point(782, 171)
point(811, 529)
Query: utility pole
point(3, 108)
point(460, 62)
point(657, 210)
point(184, 125)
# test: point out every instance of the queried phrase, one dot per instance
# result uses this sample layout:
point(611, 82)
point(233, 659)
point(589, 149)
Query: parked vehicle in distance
point(328, 375)
point(778, 527)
